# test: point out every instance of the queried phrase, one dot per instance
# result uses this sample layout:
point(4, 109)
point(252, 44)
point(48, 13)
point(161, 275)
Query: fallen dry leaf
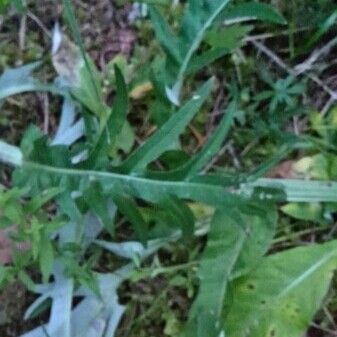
point(282, 171)
point(7, 246)
point(141, 90)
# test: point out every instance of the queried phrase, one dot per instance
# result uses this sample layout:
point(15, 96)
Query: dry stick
point(235, 158)
point(266, 36)
point(216, 110)
point(45, 105)
point(248, 147)
point(327, 106)
point(273, 57)
point(34, 18)
point(330, 317)
point(197, 135)
point(317, 326)
point(215, 159)
point(291, 71)
point(316, 54)
point(22, 32)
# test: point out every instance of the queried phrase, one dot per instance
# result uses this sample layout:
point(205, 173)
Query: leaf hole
point(251, 286)
point(272, 333)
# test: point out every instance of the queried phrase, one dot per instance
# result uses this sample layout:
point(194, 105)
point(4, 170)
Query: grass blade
point(213, 144)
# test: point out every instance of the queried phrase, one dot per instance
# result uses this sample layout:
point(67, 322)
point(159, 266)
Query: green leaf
point(213, 144)
point(97, 202)
point(26, 280)
point(179, 213)
point(323, 28)
point(89, 91)
point(146, 189)
point(19, 5)
point(46, 258)
point(259, 223)
point(237, 240)
point(128, 208)
point(153, 190)
point(225, 242)
point(41, 152)
point(68, 206)
point(228, 37)
point(282, 295)
point(168, 133)
point(113, 127)
point(14, 213)
point(198, 17)
point(304, 211)
point(5, 275)
point(31, 134)
point(164, 35)
point(3, 5)
point(252, 11)
point(294, 190)
point(38, 201)
point(89, 76)
point(198, 62)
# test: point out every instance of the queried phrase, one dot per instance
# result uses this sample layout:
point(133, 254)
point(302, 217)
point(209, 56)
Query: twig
point(22, 32)
point(216, 109)
point(318, 53)
point(266, 36)
point(295, 124)
point(291, 71)
point(235, 158)
point(317, 326)
point(327, 106)
point(45, 331)
point(273, 57)
point(82, 4)
point(34, 18)
point(332, 232)
point(248, 147)
point(326, 88)
point(197, 135)
point(215, 158)
point(45, 107)
point(330, 317)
